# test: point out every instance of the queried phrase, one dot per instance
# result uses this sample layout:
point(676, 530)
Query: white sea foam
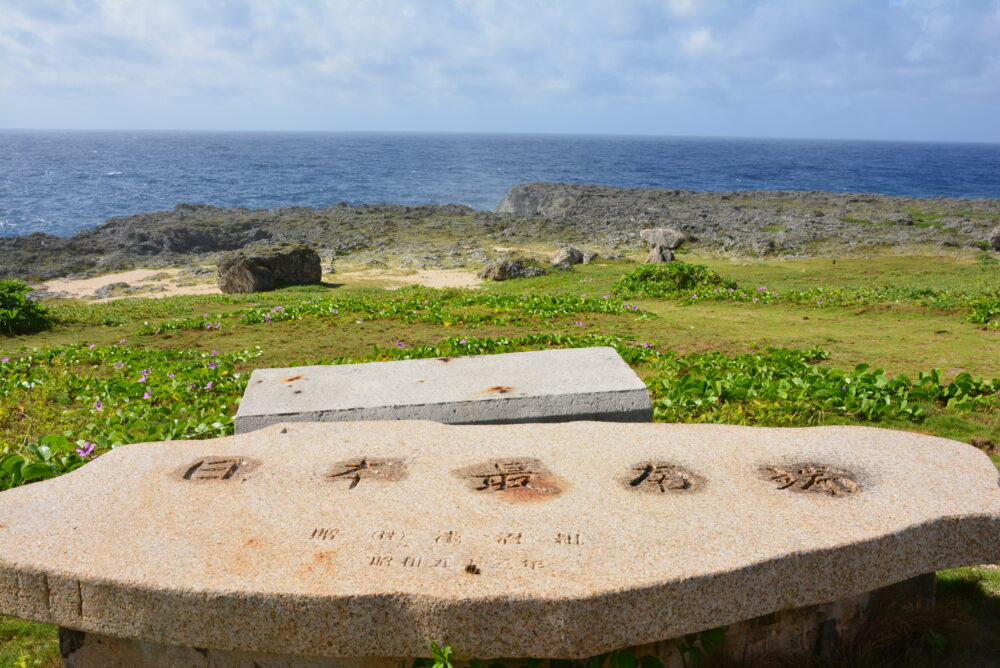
point(113, 173)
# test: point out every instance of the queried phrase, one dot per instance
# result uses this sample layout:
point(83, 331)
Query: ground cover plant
point(906, 357)
point(18, 314)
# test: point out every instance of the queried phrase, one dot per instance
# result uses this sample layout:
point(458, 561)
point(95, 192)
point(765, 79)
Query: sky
point(839, 69)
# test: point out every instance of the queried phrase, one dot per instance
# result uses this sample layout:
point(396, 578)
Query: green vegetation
point(18, 314)
point(670, 280)
point(898, 342)
point(856, 221)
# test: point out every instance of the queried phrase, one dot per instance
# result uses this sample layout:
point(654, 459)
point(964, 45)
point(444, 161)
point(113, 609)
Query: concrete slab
point(372, 539)
point(542, 386)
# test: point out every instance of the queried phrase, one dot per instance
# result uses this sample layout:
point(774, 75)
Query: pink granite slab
point(561, 540)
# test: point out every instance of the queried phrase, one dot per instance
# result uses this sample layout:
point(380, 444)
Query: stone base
point(817, 630)
point(563, 385)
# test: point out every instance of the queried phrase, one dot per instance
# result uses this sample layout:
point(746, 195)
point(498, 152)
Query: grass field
point(881, 341)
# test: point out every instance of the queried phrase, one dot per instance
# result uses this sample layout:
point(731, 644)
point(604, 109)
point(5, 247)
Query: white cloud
point(365, 59)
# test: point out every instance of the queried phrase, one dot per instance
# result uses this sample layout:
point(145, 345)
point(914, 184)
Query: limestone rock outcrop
point(507, 269)
point(267, 269)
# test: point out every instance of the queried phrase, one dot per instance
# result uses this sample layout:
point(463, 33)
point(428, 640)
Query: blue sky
point(865, 69)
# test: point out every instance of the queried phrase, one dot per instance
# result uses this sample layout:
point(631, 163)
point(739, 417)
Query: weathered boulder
point(508, 269)
point(110, 289)
point(994, 239)
point(567, 256)
point(663, 236)
point(659, 254)
point(267, 269)
point(589, 257)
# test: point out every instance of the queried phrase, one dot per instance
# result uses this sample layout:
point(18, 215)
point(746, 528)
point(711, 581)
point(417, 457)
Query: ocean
point(64, 182)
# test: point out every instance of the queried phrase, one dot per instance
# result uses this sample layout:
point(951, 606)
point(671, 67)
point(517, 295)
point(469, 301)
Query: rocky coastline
point(531, 216)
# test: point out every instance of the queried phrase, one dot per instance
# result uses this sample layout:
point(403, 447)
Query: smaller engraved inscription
point(324, 534)
point(568, 539)
point(389, 534)
point(509, 538)
point(522, 478)
point(448, 537)
point(663, 477)
point(215, 468)
point(353, 471)
point(813, 478)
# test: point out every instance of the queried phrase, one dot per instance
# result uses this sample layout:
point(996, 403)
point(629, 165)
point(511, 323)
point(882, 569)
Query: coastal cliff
point(601, 218)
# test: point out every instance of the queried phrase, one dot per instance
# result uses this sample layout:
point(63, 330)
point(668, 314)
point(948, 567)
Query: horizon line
point(501, 133)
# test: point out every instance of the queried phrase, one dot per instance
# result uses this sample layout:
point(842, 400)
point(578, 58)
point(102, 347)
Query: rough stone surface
point(663, 236)
point(370, 539)
point(567, 256)
point(540, 386)
point(268, 269)
point(815, 631)
point(995, 239)
point(659, 254)
point(110, 289)
point(504, 270)
point(451, 236)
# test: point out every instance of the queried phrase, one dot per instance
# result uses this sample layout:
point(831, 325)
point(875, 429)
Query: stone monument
point(540, 386)
point(360, 543)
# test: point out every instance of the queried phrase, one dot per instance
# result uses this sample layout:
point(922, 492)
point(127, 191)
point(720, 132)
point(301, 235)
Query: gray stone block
point(542, 386)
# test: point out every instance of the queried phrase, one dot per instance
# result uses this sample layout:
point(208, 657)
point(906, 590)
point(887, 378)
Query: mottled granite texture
point(371, 539)
point(538, 386)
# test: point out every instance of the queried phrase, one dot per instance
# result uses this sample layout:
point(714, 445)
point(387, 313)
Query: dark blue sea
point(63, 182)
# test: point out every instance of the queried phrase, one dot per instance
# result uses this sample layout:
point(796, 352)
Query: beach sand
point(169, 282)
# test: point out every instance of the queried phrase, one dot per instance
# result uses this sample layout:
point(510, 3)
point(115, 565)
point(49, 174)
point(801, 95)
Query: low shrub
point(672, 279)
point(18, 314)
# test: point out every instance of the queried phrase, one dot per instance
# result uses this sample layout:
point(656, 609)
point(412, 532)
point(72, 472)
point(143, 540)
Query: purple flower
point(5, 360)
point(336, 311)
point(213, 365)
point(209, 386)
point(400, 345)
point(761, 289)
point(755, 299)
point(119, 365)
point(731, 291)
point(98, 405)
point(192, 385)
point(579, 323)
point(204, 315)
point(122, 341)
point(208, 325)
point(215, 353)
point(147, 395)
point(91, 346)
point(278, 309)
point(171, 375)
point(267, 318)
point(462, 342)
point(605, 296)
point(86, 450)
point(158, 330)
point(820, 302)
point(143, 378)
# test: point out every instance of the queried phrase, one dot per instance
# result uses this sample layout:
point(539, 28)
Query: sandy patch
point(152, 282)
point(164, 282)
point(432, 278)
